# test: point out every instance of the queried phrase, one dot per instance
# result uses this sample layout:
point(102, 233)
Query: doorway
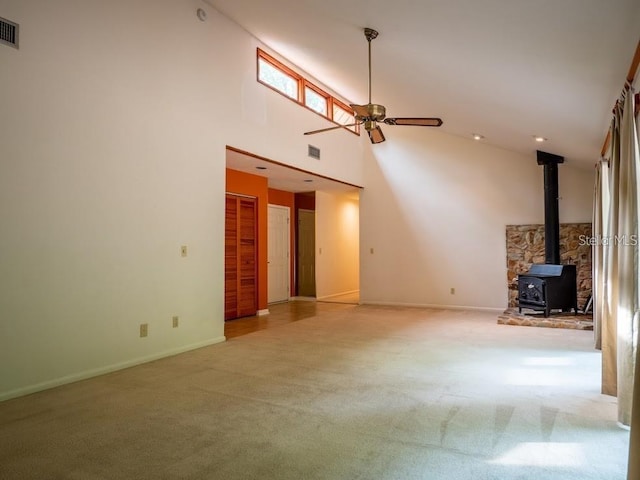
point(278, 264)
point(274, 183)
point(306, 253)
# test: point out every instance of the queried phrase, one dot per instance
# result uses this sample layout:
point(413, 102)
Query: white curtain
point(619, 321)
point(609, 330)
point(600, 231)
point(634, 443)
point(628, 304)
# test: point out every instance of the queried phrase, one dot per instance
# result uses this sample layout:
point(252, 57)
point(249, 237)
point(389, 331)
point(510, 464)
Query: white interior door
point(278, 254)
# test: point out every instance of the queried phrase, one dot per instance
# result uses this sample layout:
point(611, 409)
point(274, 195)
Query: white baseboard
point(333, 295)
point(623, 426)
point(263, 312)
point(19, 392)
point(435, 306)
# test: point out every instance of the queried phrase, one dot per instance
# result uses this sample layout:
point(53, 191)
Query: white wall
point(115, 117)
point(337, 243)
point(435, 207)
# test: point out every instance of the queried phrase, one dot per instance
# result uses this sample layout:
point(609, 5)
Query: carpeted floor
point(359, 392)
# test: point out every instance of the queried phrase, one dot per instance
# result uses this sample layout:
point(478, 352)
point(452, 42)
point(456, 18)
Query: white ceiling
point(282, 177)
point(506, 69)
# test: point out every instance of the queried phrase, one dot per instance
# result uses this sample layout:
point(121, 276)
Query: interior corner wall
point(287, 199)
point(434, 210)
point(337, 244)
point(255, 186)
point(113, 157)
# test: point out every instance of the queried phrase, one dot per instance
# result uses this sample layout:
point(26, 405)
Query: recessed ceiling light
point(539, 139)
point(477, 136)
point(261, 168)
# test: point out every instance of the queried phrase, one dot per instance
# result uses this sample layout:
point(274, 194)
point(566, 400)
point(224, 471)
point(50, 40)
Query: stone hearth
point(525, 246)
point(555, 320)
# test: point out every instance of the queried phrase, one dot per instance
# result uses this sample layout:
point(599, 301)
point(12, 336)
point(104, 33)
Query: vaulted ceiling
point(504, 69)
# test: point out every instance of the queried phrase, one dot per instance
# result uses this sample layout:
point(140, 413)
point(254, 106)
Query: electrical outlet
point(144, 329)
point(453, 291)
point(183, 250)
point(175, 321)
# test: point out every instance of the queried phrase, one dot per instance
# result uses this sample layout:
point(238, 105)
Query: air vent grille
point(8, 33)
point(314, 152)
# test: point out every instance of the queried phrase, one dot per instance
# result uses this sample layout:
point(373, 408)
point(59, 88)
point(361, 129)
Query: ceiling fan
point(370, 114)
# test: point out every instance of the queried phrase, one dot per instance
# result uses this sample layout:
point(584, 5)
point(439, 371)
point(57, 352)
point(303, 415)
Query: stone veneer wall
point(525, 246)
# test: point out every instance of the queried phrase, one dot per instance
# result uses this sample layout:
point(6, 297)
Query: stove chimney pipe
point(551, 210)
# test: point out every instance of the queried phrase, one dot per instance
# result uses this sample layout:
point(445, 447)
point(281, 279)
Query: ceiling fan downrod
point(370, 34)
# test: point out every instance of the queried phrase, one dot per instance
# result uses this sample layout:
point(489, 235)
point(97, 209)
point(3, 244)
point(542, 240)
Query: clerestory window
point(284, 80)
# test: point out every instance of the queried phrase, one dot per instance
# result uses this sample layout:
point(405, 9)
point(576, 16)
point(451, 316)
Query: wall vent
point(314, 152)
point(8, 33)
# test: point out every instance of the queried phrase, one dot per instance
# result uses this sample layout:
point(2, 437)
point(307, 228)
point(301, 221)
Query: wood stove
point(549, 286)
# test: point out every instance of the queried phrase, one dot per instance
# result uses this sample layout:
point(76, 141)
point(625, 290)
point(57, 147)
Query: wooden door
point(240, 258)
point(306, 253)
point(278, 254)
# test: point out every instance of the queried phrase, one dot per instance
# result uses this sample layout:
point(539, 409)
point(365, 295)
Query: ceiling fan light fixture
point(369, 125)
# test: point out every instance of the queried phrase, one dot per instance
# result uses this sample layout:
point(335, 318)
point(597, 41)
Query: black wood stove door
point(531, 291)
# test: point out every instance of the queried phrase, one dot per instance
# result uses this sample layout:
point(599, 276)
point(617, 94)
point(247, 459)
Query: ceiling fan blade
point(332, 128)
point(360, 110)
point(376, 135)
point(416, 122)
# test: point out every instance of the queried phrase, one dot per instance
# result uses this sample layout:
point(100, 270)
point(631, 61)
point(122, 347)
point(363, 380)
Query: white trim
point(434, 306)
point(263, 312)
point(326, 297)
point(19, 392)
point(303, 299)
point(242, 195)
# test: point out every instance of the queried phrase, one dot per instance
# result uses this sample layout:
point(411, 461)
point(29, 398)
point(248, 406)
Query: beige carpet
point(356, 393)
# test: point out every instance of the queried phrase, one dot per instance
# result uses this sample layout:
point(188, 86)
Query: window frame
point(303, 83)
point(287, 72)
point(347, 109)
point(320, 92)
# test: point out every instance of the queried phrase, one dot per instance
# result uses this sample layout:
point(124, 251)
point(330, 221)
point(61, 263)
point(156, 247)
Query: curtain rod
point(633, 69)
